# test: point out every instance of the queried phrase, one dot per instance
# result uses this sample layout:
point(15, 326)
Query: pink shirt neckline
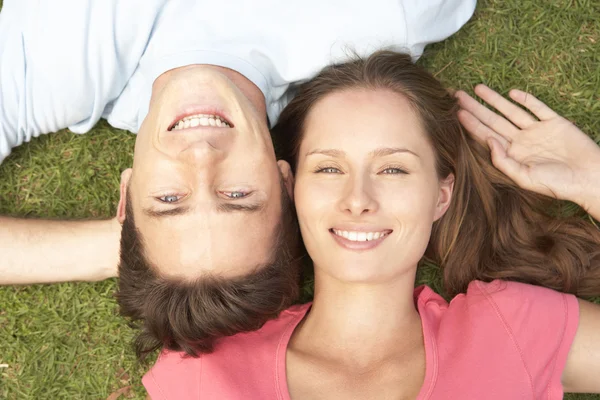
point(421, 294)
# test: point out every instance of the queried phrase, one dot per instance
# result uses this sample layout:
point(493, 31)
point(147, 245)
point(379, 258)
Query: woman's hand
point(550, 156)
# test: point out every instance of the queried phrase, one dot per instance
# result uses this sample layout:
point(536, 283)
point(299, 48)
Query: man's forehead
point(218, 243)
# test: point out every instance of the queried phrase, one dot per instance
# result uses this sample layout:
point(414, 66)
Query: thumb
point(507, 165)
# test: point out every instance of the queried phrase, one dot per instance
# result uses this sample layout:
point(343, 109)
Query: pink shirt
point(500, 340)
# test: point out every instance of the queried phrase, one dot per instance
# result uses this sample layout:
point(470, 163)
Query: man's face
point(205, 187)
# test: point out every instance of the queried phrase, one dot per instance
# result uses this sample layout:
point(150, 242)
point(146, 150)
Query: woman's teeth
point(360, 236)
point(200, 120)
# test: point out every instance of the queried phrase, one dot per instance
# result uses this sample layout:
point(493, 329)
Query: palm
point(549, 156)
point(546, 153)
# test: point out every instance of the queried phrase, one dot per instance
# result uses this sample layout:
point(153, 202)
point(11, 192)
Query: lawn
point(67, 341)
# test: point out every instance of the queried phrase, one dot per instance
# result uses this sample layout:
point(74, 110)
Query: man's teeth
point(360, 236)
point(200, 120)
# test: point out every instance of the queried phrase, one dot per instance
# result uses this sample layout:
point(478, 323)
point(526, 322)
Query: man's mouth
point(200, 120)
point(360, 236)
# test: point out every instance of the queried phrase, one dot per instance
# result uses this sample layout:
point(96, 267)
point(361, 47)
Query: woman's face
point(367, 191)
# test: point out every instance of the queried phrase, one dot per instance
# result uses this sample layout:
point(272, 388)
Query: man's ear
point(125, 177)
point(445, 196)
point(288, 176)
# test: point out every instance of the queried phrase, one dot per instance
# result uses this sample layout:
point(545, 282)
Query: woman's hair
point(191, 316)
point(493, 229)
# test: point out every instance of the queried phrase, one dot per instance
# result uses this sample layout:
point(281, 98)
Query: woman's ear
point(125, 177)
point(288, 177)
point(445, 196)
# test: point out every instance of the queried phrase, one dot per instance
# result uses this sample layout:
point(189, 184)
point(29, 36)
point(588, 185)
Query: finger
point(514, 113)
point(492, 120)
point(529, 101)
point(479, 131)
point(507, 165)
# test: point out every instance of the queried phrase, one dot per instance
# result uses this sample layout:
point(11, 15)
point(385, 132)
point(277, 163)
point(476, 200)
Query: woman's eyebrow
point(386, 151)
point(327, 152)
point(380, 152)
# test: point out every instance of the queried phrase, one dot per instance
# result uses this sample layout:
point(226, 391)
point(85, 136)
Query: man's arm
point(94, 50)
point(45, 251)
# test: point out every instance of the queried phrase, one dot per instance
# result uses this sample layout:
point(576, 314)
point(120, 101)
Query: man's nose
point(201, 152)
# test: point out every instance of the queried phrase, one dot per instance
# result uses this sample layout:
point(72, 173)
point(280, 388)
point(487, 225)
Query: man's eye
point(328, 170)
point(169, 198)
point(236, 194)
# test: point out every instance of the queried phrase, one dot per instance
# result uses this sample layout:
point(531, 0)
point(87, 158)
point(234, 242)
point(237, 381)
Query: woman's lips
point(357, 245)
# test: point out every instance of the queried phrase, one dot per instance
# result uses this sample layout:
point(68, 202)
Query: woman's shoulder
point(487, 305)
point(245, 357)
point(252, 343)
point(498, 294)
point(525, 329)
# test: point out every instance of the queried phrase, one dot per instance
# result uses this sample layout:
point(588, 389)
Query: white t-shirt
point(68, 63)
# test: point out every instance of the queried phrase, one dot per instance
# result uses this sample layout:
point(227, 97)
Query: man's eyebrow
point(386, 151)
point(152, 213)
point(222, 207)
point(227, 207)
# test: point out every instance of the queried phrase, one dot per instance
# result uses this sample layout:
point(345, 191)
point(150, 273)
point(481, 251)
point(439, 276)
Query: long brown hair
point(493, 229)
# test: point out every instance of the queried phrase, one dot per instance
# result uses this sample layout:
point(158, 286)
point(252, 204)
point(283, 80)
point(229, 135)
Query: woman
point(385, 175)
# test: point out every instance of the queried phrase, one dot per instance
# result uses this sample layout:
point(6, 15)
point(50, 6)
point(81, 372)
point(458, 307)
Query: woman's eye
point(169, 198)
point(393, 171)
point(329, 170)
point(236, 195)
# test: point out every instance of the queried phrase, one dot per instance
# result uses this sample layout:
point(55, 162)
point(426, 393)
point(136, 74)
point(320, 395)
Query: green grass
point(67, 342)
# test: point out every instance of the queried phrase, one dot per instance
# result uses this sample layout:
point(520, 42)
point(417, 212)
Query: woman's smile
point(358, 239)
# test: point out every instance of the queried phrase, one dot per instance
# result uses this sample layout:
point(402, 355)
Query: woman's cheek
point(314, 193)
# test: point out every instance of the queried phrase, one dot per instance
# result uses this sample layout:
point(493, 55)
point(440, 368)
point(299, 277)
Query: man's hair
point(191, 316)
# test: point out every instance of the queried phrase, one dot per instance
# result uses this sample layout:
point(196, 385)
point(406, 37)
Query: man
point(205, 200)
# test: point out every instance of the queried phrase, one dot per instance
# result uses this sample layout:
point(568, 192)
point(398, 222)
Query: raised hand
point(547, 154)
